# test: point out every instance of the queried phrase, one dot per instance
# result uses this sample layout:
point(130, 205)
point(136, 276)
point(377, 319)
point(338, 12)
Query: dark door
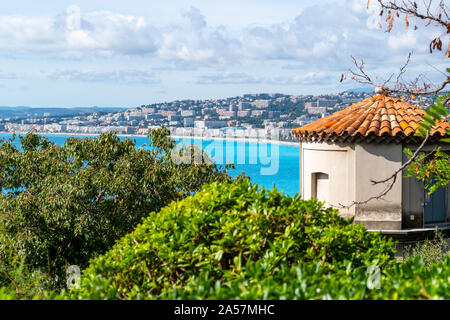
point(434, 206)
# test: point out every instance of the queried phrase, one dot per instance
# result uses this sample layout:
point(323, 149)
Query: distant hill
point(361, 90)
point(26, 112)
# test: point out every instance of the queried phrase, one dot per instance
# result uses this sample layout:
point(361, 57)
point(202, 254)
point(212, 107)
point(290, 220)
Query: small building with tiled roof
point(342, 153)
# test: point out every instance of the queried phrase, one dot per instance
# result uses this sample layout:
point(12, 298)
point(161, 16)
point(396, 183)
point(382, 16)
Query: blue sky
point(127, 53)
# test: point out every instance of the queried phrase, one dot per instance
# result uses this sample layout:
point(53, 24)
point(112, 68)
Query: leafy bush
point(431, 251)
point(24, 282)
point(5, 294)
point(257, 280)
point(8, 294)
point(62, 205)
point(230, 232)
point(411, 280)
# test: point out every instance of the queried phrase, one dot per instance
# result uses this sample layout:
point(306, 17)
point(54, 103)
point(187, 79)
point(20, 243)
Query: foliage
point(5, 294)
point(431, 251)
point(220, 233)
point(62, 205)
point(8, 294)
point(411, 280)
point(218, 244)
point(24, 282)
point(257, 280)
point(437, 112)
point(432, 168)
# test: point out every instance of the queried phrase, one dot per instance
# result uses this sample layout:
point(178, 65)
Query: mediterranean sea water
point(266, 164)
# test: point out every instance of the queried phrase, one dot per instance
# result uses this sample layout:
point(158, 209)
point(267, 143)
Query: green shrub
point(63, 205)
point(411, 280)
point(25, 283)
point(6, 294)
point(431, 251)
point(220, 234)
point(257, 280)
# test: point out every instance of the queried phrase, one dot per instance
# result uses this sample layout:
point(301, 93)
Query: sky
point(115, 53)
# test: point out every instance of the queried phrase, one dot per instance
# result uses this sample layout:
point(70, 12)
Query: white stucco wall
point(350, 169)
point(378, 162)
point(336, 161)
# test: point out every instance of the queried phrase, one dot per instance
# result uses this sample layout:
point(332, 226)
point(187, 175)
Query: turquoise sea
point(266, 164)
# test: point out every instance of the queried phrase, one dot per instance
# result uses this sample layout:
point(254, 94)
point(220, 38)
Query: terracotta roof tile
point(379, 118)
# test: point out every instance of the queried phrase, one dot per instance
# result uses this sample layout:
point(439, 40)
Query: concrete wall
point(336, 160)
point(378, 162)
point(350, 169)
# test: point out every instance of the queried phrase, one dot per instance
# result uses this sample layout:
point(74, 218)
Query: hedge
point(224, 232)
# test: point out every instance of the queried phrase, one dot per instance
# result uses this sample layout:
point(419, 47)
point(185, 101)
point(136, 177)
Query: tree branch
point(398, 87)
point(420, 92)
point(411, 8)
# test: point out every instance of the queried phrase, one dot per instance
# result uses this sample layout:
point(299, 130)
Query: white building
point(205, 124)
point(341, 154)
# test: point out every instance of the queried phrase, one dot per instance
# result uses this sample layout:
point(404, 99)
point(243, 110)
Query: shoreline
point(252, 140)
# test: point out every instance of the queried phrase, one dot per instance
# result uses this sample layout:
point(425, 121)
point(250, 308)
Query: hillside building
point(342, 153)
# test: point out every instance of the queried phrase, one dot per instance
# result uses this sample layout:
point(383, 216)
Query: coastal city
point(259, 116)
point(224, 159)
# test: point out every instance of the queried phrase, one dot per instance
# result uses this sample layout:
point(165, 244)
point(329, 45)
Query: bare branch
point(403, 68)
point(388, 80)
point(362, 76)
point(411, 9)
point(399, 87)
point(423, 91)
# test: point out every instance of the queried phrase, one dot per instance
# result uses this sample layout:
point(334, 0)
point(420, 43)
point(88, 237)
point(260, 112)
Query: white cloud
point(198, 44)
point(99, 32)
point(229, 78)
point(114, 34)
point(402, 41)
point(120, 76)
point(308, 78)
point(22, 34)
point(320, 40)
point(322, 34)
point(197, 19)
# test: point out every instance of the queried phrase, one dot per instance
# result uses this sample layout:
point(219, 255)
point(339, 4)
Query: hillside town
point(261, 116)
